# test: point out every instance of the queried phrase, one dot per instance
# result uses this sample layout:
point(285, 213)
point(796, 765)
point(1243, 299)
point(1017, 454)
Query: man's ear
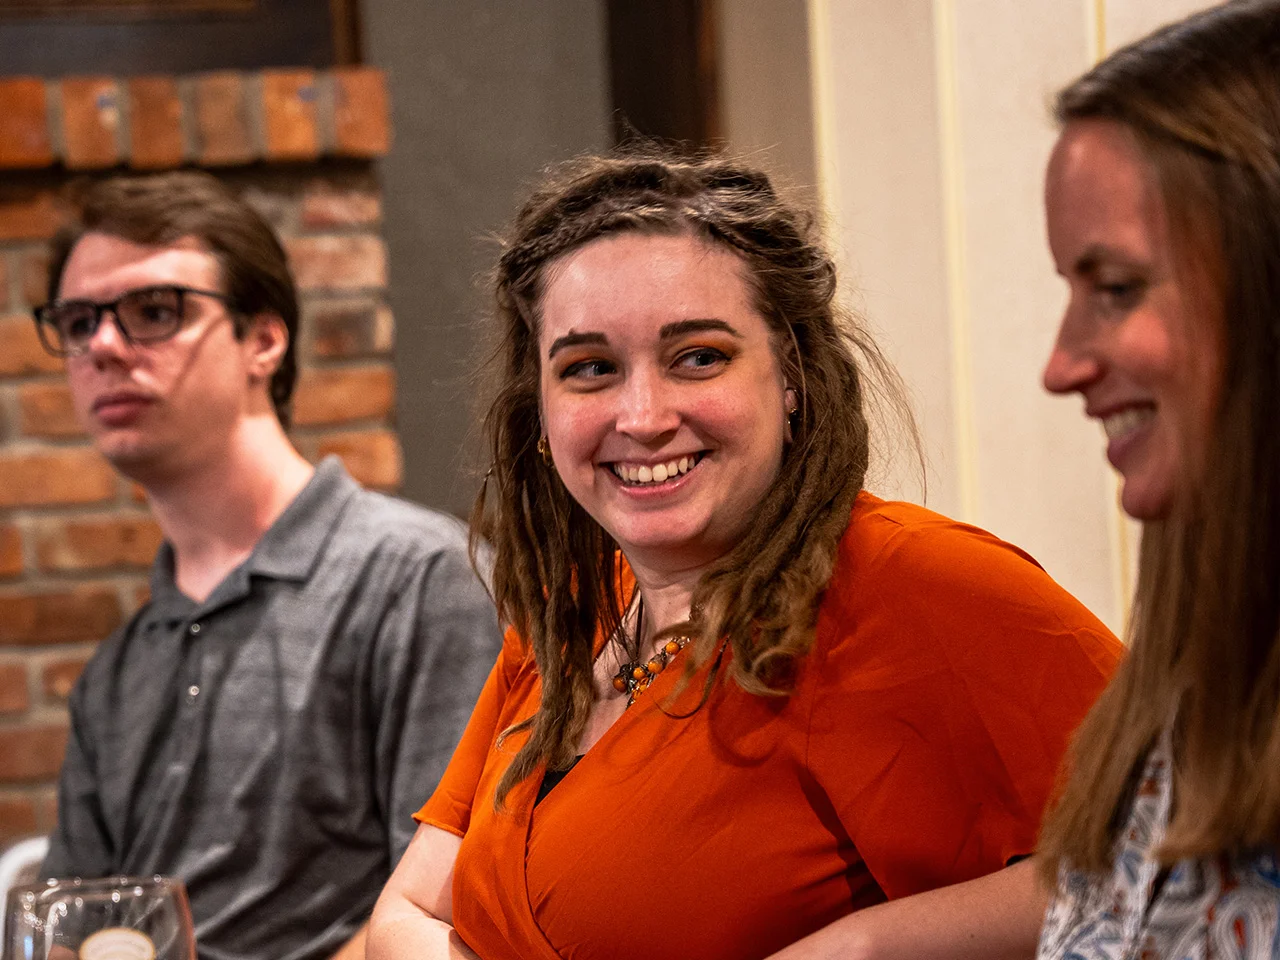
point(266, 341)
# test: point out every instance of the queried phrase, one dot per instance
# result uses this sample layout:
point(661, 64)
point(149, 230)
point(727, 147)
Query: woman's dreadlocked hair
point(556, 572)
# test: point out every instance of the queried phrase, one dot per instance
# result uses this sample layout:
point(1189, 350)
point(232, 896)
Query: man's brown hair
point(160, 210)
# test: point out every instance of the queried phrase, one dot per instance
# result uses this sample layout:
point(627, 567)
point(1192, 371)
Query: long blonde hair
point(555, 571)
point(1202, 98)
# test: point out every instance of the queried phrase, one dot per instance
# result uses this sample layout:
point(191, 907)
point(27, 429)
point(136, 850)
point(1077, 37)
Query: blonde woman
point(1163, 201)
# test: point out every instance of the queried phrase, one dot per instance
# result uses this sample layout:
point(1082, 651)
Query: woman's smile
point(664, 474)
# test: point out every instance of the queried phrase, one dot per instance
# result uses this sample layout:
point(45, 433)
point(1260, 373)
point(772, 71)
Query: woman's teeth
point(657, 473)
point(1119, 424)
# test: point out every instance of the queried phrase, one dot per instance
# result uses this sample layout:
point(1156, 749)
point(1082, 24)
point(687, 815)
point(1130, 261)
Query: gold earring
point(544, 448)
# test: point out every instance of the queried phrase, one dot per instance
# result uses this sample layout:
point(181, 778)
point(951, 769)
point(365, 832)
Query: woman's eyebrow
point(574, 339)
point(681, 327)
point(1097, 254)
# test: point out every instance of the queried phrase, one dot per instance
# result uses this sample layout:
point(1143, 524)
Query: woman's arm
point(413, 919)
point(996, 917)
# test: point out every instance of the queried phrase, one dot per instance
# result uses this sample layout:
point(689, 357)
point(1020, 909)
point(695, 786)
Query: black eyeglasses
point(145, 315)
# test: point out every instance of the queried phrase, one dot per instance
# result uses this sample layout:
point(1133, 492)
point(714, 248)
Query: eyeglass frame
point(100, 308)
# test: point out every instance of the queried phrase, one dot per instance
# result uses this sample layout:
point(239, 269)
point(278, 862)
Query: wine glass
point(116, 918)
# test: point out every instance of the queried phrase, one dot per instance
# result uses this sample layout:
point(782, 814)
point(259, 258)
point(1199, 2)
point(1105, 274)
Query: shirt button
point(193, 691)
point(195, 628)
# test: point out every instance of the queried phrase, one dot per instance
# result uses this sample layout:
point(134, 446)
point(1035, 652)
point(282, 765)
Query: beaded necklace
point(634, 677)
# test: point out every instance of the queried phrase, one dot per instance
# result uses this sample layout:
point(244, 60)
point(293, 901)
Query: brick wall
point(75, 539)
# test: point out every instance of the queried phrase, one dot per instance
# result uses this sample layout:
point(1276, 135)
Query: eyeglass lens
point(144, 316)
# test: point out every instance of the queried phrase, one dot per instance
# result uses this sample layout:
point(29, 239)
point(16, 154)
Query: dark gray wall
point(275, 33)
point(484, 94)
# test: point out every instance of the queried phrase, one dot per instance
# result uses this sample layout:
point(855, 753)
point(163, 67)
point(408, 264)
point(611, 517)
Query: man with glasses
point(265, 726)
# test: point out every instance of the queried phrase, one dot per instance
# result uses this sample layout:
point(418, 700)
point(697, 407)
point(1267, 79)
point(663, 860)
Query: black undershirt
point(551, 778)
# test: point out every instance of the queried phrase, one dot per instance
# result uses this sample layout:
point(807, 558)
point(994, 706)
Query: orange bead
point(639, 673)
point(620, 684)
point(655, 665)
point(672, 647)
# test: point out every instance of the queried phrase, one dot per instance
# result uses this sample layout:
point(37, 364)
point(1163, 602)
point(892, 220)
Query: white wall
point(932, 128)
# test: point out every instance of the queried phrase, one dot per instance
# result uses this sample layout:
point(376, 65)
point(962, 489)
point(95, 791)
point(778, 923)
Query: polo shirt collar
point(290, 548)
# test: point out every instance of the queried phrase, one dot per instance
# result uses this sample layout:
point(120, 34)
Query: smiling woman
point(1128, 342)
point(678, 366)
point(735, 682)
point(1163, 203)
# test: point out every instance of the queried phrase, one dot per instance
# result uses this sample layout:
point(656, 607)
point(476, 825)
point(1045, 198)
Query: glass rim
point(60, 886)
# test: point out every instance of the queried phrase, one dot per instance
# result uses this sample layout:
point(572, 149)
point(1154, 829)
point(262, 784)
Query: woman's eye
point(587, 370)
point(701, 358)
point(1122, 294)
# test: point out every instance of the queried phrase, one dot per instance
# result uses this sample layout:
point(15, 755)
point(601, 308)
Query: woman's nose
point(1067, 372)
point(645, 409)
point(1074, 362)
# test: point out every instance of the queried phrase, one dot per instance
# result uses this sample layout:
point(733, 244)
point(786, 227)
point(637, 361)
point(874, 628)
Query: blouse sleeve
point(953, 673)
point(449, 807)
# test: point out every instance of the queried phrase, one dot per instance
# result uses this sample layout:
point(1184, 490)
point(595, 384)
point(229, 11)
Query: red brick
point(35, 277)
point(47, 411)
point(96, 543)
point(155, 123)
point(28, 213)
point(342, 395)
point(4, 283)
point(52, 476)
point(17, 818)
point(277, 206)
point(46, 804)
point(13, 688)
point(79, 614)
point(60, 676)
point(373, 457)
point(350, 329)
point(90, 119)
point(326, 204)
point(24, 125)
point(222, 120)
point(289, 114)
point(29, 754)
point(20, 350)
point(361, 125)
point(10, 551)
point(338, 263)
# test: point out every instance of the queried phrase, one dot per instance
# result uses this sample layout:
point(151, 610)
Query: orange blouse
point(917, 749)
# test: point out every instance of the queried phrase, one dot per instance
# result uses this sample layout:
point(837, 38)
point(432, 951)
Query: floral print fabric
point(1227, 908)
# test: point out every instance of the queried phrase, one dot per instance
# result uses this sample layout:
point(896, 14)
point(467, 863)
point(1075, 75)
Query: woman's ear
point(791, 404)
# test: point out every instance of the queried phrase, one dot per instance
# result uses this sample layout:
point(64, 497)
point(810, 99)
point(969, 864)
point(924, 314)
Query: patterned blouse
point(1222, 909)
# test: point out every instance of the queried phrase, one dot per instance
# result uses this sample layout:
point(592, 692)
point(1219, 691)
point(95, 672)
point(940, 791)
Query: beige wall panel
point(765, 106)
point(933, 129)
point(1040, 478)
point(1127, 20)
point(883, 171)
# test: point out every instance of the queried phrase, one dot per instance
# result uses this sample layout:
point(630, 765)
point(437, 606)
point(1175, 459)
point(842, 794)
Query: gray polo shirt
point(270, 745)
